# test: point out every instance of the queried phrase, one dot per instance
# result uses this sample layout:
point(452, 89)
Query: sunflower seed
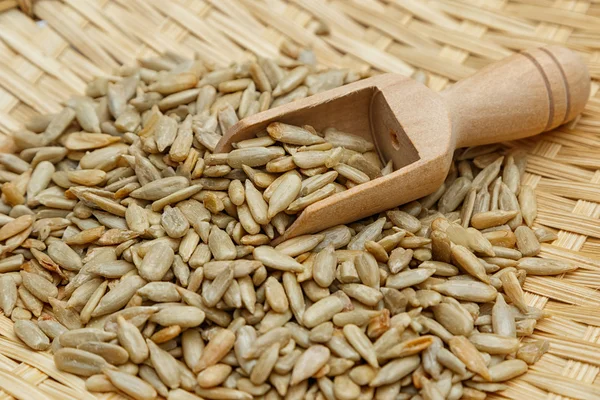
point(119, 295)
point(462, 348)
point(131, 385)
point(31, 335)
point(217, 347)
point(527, 242)
point(183, 316)
point(79, 362)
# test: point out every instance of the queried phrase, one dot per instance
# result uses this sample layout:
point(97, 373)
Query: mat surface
point(44, 62)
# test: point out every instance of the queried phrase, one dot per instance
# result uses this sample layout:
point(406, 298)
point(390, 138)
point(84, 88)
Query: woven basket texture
point(49, 50)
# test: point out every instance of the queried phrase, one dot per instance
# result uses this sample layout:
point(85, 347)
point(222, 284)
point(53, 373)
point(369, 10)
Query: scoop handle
point(525, 94)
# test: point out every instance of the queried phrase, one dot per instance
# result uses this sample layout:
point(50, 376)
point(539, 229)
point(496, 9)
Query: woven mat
point(42, 63)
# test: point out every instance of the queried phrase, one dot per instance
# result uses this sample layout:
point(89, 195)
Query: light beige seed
point(408, 278)
point(192, 345)
point(99, 383)
point(357, 317)
point(76, 337)
point(299, 245)
point(488, 174)
point(8, 294)
point(407, 347)
point(503, 322)
point(86, 236)
point(131, 385)
point(365, 294)
point(311, 361)
point(505, 371)
point(351, 173)
point(221, 245)
point(469, 263)
point(51, 327)
point(149, 375)
point(112, 353)
point(494, 344)
point(241, 268)
point(275, 295)
point(361, 343)
point(119, 295)
point(454, 195)
point(285, 193)
point(165, 365)
point(305, 201)
point(291, 134)
point(160, 188)
point(345, 389)
point(40, 178)
point(66, 316)
point(324, 267)
point(160, 292)
point(111, 269)
point(64, 256)
point(441, 268)
point(348, 141)
point(253, 156)
point(404, 220)
point(81, 141)
point(454, 318)
point(462, 348)
point(176, 197)
point(467, 290)
point(79, 362)
point(394, 371)
point(93, 300)
point(275, 259)
point(399, 259)
point(316, 182)
point(531, 352)
point(214, 291)
point(16, 226)
point(527, 242)
point(174, 222)
point(377, 250)
point(31, 335)
point(87, 177)
point(264, 365)
point(131, 339)
point(543, 266)
point(174, 83)
point(183, 316)
point(183, 141)
point(370, 232)
point(367, 269)
point(290, 81)
point(38, 286)
point(214, 375)
point(156, 262)
point(222, 393)
point(258, 206)
point(324, 309)
point(508, 201)
point(310, 159)
point(11, 263)
point(217, 347)
point(363, 164)
point(165, 132)
point(528, 204)
point(489, 219)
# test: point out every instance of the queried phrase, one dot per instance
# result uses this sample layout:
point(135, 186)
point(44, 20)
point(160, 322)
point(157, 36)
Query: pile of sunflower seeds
point(143, 261)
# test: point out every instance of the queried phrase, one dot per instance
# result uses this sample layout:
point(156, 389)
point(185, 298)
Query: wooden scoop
point(419, 129)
